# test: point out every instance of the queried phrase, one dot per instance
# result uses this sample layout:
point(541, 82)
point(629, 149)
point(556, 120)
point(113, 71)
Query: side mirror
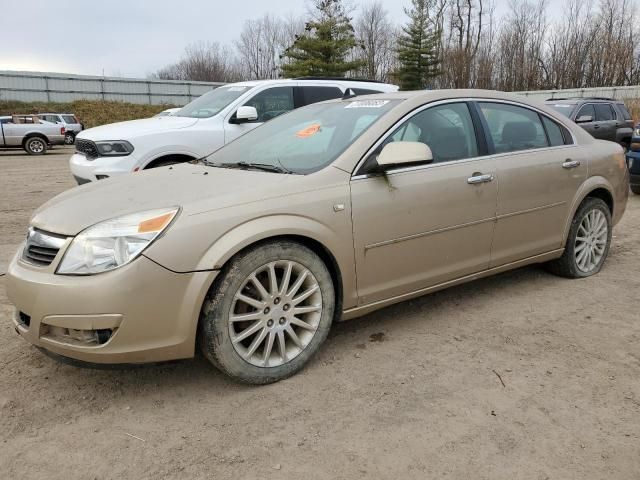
point(402, 153)
point(246, 114)
point(584, 119)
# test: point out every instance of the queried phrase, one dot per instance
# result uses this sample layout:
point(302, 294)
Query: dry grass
point(91, 113)
point(633, 104)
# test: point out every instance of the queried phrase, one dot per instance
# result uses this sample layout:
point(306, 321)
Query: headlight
point(114, 243)
point(114, 148)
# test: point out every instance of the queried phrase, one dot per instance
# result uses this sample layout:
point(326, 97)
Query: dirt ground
point(410, 392)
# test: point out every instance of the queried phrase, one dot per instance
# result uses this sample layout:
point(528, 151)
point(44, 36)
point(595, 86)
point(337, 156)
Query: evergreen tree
point(323, 49)
point(417, 48)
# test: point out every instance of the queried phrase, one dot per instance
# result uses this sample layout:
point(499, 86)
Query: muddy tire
point(588, 241)
point(268, 312)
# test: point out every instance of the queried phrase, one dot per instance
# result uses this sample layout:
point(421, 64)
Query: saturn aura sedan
point(326, 213)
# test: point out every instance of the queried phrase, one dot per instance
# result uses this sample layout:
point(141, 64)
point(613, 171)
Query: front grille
point(42, 247)
point(87, 147)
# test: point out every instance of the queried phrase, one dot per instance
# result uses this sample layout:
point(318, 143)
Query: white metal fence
point(619, 93)
point(63, 87)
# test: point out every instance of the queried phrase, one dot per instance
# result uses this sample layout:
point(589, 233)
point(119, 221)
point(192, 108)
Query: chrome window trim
point(416, 111)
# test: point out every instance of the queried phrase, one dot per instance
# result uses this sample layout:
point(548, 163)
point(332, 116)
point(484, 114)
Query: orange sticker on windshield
point(310, 130)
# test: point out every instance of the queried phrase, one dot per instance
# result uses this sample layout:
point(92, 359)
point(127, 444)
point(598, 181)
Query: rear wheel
point(269, 312)
point(35, 146)
point(588, 242)
point(69, 138)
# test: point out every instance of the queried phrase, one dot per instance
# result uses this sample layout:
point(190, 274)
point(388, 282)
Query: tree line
point(441, 44)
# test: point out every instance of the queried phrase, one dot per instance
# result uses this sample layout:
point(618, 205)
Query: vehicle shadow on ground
point(199, 374)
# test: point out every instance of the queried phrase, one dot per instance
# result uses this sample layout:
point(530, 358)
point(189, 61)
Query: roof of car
point(51, 113)
point(284, 81)
point(576, 100)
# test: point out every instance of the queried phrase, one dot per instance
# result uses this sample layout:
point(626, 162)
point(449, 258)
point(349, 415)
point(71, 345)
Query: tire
point(573, 264)
point(69, 138)
point(35, 146)
point(239, 348)
point(635, 189)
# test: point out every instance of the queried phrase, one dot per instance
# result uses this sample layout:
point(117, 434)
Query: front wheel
point(588, 242)
point(268, 313)
point(35, 146)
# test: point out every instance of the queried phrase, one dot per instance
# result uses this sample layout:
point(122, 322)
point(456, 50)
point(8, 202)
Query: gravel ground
point(413, 391)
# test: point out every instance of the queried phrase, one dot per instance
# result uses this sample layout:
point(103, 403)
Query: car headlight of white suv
point(113, 243)
point(112, 148)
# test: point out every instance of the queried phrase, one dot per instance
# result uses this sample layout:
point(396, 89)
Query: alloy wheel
point(591, 240)
point(275, 313)
point(36, 146)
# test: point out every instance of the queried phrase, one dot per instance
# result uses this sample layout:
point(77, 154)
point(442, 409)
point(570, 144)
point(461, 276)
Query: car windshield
point(211, 103)
point(304, 140)
point(563, 108)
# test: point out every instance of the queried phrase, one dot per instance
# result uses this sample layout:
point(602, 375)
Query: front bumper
point(91, 170)
point(633, 162)
point(151, 312)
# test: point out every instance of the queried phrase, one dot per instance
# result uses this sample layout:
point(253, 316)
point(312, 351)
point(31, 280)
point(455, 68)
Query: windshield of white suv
point(304, 140)
point(563, 108)
point(211, 103)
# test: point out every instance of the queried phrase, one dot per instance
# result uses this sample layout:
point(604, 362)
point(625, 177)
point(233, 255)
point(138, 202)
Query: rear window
point(625, 112)
point(604, 112)
point(69, 119)
point(319, 94)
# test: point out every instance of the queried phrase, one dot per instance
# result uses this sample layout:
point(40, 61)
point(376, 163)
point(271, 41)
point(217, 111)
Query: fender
point(589, 185)
point(166, 153)
point(263, 228)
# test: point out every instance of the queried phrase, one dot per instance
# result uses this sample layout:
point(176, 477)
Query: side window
point(625, 112)
point(586, 111)
point(604, 112)
point(319, 94)
point(272, 102)
point(553, 132)
point(446, 129)
point(513, 128)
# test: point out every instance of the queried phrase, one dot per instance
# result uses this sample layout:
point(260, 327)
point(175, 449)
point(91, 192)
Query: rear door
point(605, 121)
point(308, 94)
point(540, 170)
point(423, 225)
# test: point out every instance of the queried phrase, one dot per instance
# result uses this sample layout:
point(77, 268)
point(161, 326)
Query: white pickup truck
point(30, 133)
point(202, 126)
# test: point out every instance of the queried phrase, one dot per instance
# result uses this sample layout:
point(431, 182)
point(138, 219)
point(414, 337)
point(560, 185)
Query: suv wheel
point(269, 312)
point(35, 146)
point(69, 138)
point(588, 242)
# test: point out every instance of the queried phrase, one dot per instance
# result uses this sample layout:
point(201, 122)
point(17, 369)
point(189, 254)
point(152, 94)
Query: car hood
point(134, 128)
point(194, 188)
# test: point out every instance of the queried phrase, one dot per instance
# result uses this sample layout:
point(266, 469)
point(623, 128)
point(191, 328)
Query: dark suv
point(633, 160)
point(603, 118)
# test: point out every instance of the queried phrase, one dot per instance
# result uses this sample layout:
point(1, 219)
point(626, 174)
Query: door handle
point(571, 163)
point(479, 178)
point(596, 126)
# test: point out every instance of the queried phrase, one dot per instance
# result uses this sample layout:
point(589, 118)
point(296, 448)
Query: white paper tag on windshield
point(367, 104)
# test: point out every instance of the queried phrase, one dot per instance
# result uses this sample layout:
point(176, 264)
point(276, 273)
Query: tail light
point(62, 130)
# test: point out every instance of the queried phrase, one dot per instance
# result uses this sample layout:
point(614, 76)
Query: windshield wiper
point(257, 166)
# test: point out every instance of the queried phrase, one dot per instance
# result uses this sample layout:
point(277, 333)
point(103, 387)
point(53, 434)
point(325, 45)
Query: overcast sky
point(131, 37)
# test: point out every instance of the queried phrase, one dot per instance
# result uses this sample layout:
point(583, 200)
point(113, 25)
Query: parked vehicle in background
point(252, 253)
point(202, 126)
point(168, 111)
point(70, 122)
point(30, 133)
point(633, 161)
point(603, 118)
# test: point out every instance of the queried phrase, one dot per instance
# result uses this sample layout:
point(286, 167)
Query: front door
point(268, 103)
point(427, 224)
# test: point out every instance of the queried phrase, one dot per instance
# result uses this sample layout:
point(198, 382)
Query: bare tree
point(377, 38)
point(207, 62)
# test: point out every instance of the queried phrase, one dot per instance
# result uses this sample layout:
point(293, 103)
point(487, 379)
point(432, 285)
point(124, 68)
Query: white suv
point(202, 126)
point(69, 121)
